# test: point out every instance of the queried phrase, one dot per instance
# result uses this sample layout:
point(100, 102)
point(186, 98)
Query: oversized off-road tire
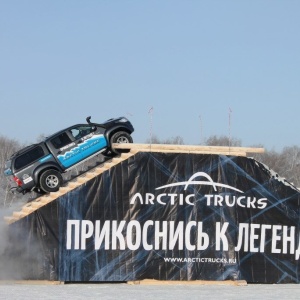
point(120, 137)
point(51, 181)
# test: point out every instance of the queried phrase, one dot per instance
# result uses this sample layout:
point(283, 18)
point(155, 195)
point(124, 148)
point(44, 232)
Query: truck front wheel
point(51, 181)
point(120, 137)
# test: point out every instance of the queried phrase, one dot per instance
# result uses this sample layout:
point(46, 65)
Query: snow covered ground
point(11, 290)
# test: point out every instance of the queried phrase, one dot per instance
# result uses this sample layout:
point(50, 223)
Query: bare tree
point(177, 140)
point(290, 159)
point(222, 141)
point(270, 158)
point(285, 163)
point(7, 148)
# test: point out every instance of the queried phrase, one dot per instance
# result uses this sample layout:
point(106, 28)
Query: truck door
point(66, 150)
point(87, 140)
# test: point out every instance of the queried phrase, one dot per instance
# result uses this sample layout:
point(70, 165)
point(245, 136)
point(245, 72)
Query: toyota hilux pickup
point(39, 167)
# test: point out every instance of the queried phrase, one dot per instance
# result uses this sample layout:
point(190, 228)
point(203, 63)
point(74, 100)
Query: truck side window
point(29, 157)
point(81, 131)
point(61, 140)
point(76, 133)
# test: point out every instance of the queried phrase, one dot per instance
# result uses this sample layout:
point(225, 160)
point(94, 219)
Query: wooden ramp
point(45, 199)
point(221, 150)
point(133, 149)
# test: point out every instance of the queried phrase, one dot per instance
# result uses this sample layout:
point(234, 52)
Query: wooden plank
point(19, 214)
point(49, 197)
point(207, 149)
point(63, 190)
point(82, 179)
point(197, 152)
point(187, 282)
point(28, 209)
point(36, 204)
point(108, 165)
point(72, 185)
point(99, 170)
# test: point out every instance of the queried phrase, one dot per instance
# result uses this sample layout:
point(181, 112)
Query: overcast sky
point(207, 67)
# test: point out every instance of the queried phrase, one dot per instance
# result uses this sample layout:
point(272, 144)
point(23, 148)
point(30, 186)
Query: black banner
point(171, 217)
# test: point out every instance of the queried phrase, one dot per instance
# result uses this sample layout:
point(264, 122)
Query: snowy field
point(11, 290)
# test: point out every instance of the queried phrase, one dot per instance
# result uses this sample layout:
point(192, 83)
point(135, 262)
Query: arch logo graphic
point(228, 197)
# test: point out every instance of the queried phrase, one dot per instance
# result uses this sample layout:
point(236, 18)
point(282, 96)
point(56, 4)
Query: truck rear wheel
point(51, 181)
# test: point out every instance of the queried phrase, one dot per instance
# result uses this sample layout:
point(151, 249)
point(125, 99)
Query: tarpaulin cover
point(169, 217)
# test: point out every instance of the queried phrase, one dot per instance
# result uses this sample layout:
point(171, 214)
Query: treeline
point(285, 163)
point(7, 148)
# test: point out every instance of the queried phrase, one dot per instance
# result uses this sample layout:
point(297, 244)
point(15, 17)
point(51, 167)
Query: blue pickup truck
point(39, 167)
